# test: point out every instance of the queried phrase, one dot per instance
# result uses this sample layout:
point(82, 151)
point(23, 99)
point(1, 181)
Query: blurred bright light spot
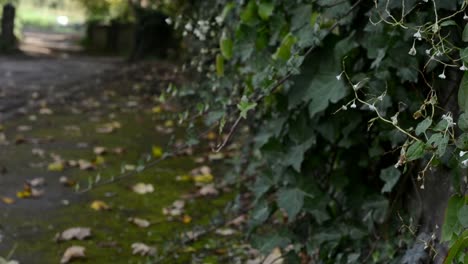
point(62, 20)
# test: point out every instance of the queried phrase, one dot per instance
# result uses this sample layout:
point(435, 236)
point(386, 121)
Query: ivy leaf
point(390, 176)
point(245, 106)
point(220, 65)
point(439, 141)
point(284, 50)
point(260, 213)
point(265, 10)
point(291, 200)
point(301, 16)
point(462, 141)
point(248, 14)
point(463, 216)
point(463, 93)
point(464, 55)
point(226, 46)
point(415, 151)
point(423, 126)
point(463, 122)
point(465, 33)
point(451, 223)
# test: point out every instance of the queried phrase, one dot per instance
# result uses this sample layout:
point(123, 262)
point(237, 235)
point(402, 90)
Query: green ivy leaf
point(301, 16)
point(220, 65)
point(463, 122)
point(440, 142)
point(226, 46)
point(464, 56)
point(390, 176)
point(460, 245)
point(462, 141)
point(463, 93)
point(248, 14)
point(451, 223)
point(465, 34)
point(284, 50)
point(463, 216)
point(415, 151)
point(423, 126)
point(291, 200)
point(245, 106)
point(265, 10)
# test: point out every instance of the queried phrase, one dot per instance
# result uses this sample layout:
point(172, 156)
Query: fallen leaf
point(225, 231)
point(139, 222)
point(67, 182)
point(275, 257)
point(238, 221)
point(169, 123)
point(99, 206)
point(79, 233)
point(45, 111)
point(183, 178)
point(38, 152)
point(56, 166)
point(203, 178)
point(85, 165)
point(99, 160)
point(208, 190)
point(129, 167)
point(23, 128)
point(142, 249)
point(73, 252)
point(118, 151)
point(143, 188)
point(156, 109)
point(186, 219)
point(36, 182)
point(100, 150)
point(157, 152)
point(7, 200)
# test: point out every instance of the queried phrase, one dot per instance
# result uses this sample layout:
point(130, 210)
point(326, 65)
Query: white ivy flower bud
point(188, 27)
point(428, 51)
point(465, 162)
point(168, 21)
point(338, 77)
point(412, 51)
point(372, 107)
point(442, 75)
point(462, 153)
point(353, 105)
point(465, 17)
point(417, 35)
point(219, 20)
point(394, 119)
point(344, 107)
point(463, 67)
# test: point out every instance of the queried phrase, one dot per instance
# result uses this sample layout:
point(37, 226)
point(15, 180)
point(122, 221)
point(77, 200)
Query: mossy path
point(110, 132)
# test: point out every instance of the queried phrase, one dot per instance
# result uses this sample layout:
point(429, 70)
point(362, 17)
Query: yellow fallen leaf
point(186, 219)
point(169, 123)
point(203, 178)
point(183, 178)
point(99, 160)
point(7, 200)
point(23, 194)
point(156, 110)
point(157, 152)
point(55, 166)
point(99, 206)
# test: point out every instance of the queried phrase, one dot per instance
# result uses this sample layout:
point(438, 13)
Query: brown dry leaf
point(108, 128)
point(85, 165)
point(143, 188)
point(99, 206)
point(100, 150)
point(20, 140)
point(73, 252)
point(67, 182)
point(208, 190)
point(139, 222)
point(186, 219)
point(79, 233)
point(143, 249)
point(7, 200)
point(275, 257)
